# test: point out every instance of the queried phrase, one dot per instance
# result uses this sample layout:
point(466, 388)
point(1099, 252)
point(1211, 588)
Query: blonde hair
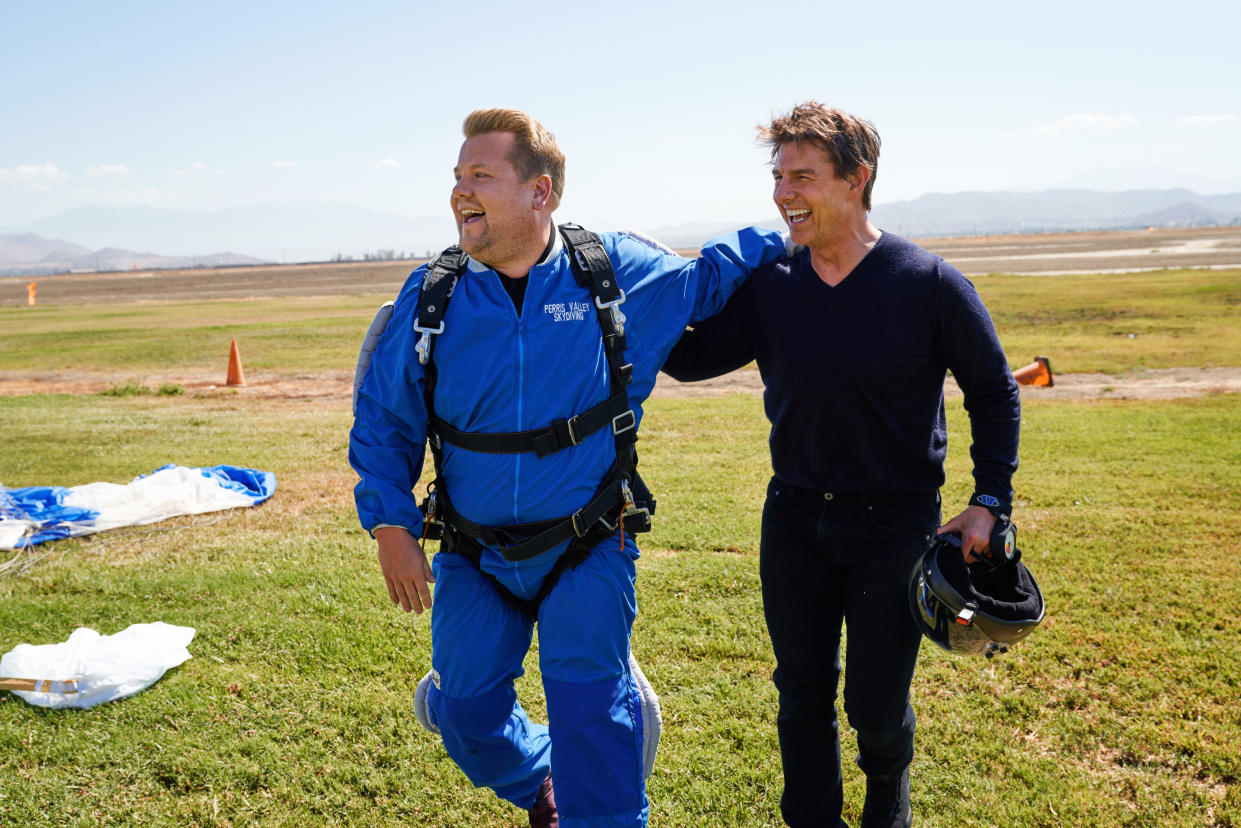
point(535, 151)
point(850, 142)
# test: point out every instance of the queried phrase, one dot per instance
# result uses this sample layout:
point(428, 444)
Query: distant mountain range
point(292, 232)
point(29, 254)
point(989, 213)
point(105, 238)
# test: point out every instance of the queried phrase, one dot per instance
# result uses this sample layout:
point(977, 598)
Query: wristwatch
point(993, 504)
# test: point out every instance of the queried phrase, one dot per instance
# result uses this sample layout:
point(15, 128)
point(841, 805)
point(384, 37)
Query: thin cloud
point(1200, 120)
point(33, 175)
point(197, 165)
point(1087, 120)
point(284, 163)
point(389, 164)
point(107, 169)
point(129, 198)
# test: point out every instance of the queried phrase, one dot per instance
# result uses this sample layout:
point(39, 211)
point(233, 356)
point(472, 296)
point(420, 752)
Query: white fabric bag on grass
point(89, 668)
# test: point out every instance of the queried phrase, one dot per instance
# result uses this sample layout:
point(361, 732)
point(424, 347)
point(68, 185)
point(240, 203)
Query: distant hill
point(939, 214)
point(29, 254)
point(26, 248)
point(988, 213)
point(299, 232)
point(293, 232)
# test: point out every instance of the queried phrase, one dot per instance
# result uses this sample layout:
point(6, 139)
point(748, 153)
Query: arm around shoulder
point(726, 261)
point(715, 346)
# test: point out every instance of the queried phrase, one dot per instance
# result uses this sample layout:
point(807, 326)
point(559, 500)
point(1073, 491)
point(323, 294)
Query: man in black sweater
point(853, 335)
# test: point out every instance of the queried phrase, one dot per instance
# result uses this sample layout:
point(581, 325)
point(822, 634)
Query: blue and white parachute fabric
point(36, 514)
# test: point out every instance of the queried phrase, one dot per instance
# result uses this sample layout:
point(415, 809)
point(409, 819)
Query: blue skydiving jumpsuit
point(500, 372)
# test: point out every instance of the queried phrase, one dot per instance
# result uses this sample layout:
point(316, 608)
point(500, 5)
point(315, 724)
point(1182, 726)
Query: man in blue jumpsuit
point(853, 334)
point(520, 348)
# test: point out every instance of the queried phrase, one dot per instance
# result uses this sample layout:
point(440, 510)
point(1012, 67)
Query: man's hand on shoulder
point(405, 569)
point(974, 525)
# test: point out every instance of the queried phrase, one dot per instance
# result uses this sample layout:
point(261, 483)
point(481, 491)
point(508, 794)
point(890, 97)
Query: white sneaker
point(421, 711)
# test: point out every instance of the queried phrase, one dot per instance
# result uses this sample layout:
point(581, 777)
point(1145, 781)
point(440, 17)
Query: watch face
point(988, 501)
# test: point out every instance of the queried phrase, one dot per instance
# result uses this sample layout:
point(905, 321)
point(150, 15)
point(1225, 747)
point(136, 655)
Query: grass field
point(1111, 323)
point(295, 710)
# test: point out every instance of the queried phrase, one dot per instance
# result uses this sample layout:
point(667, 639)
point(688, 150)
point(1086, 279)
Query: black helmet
point(975, 608)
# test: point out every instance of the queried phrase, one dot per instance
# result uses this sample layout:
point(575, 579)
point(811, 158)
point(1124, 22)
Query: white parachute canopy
point(42, 513)
point(89, 668)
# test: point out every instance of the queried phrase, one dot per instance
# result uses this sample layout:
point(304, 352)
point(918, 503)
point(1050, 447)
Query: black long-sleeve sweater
point(854, 374)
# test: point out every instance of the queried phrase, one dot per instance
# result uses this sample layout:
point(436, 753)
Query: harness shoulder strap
point(438, 283)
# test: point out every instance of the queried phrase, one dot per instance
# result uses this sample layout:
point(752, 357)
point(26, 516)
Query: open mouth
point(796, 216)
point(469, 216)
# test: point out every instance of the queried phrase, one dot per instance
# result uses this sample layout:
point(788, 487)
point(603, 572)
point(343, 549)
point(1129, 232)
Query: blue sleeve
point(388, 439)
point(973, 353)
point(669, 292)
point(725, 263)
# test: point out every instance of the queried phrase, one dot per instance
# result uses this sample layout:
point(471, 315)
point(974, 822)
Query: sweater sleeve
point(715, 346)
point(971, 349)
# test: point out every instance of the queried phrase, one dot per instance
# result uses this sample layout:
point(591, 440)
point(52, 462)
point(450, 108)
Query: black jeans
point(828, 559)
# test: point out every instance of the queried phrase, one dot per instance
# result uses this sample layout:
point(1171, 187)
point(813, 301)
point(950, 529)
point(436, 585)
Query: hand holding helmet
point(978, 608)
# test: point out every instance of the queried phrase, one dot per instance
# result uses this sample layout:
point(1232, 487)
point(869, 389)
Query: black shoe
point(887, 802)
point(543, 812)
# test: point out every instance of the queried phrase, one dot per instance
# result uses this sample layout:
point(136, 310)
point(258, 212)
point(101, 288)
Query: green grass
point(1118, 322)
point(1177, 318)
point(287, 335)
point(295, 710)
point(134, 387)
point(296, 707)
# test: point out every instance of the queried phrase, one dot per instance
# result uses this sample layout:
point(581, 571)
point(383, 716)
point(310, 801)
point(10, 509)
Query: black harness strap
point(559, 435)
point(593, 269)
point(456, 543)
point(438, 283)
point(526, 540)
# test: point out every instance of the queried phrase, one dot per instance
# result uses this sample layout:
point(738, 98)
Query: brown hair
point(535, 151)
point(850, 142)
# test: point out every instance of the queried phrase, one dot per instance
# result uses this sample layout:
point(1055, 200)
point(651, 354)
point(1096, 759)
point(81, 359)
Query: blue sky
point(222, 104)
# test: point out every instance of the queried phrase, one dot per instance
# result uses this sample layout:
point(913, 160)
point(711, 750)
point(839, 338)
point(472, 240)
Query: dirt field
point(223, 283)
point(1147, 385)
point(1044, 255)
point(1113, 252)
point(1216, 247)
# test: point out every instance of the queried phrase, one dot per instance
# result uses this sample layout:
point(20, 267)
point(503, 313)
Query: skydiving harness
point(622, 500)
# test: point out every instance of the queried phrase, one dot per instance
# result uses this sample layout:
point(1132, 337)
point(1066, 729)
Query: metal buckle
point(578, 529)
point(618, 318)
point(424, 342)
point(633, 422)
point(631, 508)
point(613, 303)
point(634, 510)
point(574, 440)
point(965, 616)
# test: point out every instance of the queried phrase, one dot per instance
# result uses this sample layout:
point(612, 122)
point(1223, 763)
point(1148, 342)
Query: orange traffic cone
point(235, 375)
point(1036, 373)
point(30, 291)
